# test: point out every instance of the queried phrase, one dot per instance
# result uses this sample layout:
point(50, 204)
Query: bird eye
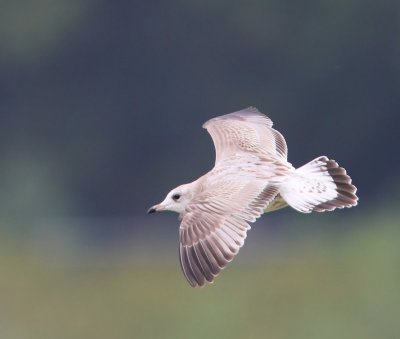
point(176, 196)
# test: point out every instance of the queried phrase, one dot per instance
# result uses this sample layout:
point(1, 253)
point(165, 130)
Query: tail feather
point(320, 185)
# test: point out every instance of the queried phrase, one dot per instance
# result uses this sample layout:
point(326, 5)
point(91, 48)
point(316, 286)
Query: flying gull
point(251, 176)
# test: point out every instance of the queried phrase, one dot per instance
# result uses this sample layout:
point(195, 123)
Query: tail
point(320, 185)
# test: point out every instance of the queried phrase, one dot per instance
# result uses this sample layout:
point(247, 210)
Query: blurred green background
point(101, 107)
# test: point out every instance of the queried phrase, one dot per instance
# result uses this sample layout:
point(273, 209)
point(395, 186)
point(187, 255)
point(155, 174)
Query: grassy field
point(345, 286)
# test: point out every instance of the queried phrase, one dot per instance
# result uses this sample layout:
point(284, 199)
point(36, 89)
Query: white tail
point(320, 185)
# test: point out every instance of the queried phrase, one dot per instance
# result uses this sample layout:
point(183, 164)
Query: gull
point(251, 176)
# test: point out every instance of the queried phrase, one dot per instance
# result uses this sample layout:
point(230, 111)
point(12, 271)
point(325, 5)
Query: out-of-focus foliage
point(313, 286)
point(108, 97)
point(101, 107)
point(30, 30)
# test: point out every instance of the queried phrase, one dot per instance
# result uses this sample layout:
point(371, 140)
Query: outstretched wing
point(215, 223)
point(245, 131)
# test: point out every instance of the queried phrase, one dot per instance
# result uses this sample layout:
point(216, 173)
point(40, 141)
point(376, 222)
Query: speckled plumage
point(251, 176)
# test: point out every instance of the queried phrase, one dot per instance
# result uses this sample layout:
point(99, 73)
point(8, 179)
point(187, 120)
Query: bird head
point(175, 201)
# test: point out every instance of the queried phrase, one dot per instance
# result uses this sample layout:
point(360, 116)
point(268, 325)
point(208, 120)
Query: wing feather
point(185, 263)
point(209, 240)
point(250, 161)
point(245, 131)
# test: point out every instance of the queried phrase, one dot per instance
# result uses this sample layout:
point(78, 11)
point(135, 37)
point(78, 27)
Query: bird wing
point(243, 132)
point(215, 223)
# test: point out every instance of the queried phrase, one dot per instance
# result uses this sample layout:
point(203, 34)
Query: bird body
point(251, 176)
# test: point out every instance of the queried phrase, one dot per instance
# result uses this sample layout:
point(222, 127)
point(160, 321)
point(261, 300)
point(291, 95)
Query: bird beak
point(155, 208)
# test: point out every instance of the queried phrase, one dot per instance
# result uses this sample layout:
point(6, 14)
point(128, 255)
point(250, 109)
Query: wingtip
point(247, 110)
